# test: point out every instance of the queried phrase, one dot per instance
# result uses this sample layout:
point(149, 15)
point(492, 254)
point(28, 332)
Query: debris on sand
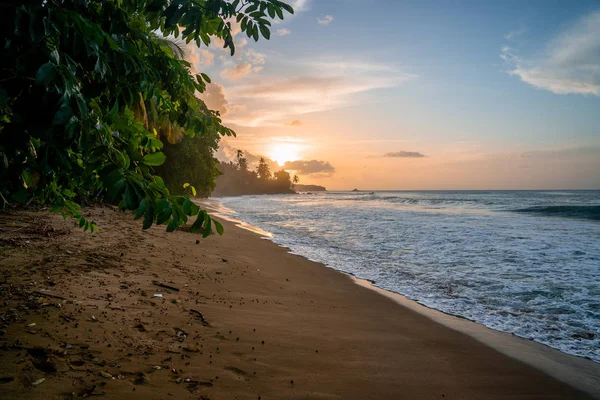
point(163, 285)
point(200, 317)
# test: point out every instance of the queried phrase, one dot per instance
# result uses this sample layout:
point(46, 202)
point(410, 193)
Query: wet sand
point(239, 318)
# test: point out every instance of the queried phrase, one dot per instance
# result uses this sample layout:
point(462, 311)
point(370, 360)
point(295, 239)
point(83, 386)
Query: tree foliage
point(191, 161)
point(236, 179)
point(89, 90)
point(262, 169)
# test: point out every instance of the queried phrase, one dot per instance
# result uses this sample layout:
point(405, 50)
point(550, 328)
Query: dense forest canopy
point(90, 91)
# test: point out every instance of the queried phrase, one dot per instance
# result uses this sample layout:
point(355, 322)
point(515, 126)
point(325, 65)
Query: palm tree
point(262, 170)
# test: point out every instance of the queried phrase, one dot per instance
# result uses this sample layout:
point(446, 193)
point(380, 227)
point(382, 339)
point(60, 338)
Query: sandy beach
point(126, 313)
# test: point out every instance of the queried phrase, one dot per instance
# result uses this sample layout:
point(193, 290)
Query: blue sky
point(495, 94)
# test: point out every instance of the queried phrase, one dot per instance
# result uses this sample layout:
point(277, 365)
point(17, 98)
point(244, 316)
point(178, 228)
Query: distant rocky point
point(309, 188)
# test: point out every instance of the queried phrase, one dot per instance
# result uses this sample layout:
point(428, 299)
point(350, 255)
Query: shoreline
point(126, 313)
point(576, 371)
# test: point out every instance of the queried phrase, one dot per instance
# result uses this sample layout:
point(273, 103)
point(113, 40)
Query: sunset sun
point(282, 152)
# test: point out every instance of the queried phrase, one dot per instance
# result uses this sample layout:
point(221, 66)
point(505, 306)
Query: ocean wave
point(584, 212)
point(534, 277)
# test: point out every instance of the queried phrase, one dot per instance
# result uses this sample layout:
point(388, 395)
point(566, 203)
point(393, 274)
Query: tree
point(296, 179)
point(242, 161)
point(191, 161)
point(234, 182)
point(262, 169)
point(90, 90)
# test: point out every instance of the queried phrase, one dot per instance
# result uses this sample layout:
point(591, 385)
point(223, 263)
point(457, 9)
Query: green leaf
point(155, 159)
point(27, 179)
point(116, 190)
point(219, 227)
point(265, 32)
point(173, 225)
point(148, 219)
point(287, 8)
point(163, 216)
point(205, 77)
point(207, 226)
point(187, 206)
point(197, 225)
point(64, 113)
point(45, 74)
point(141, 209)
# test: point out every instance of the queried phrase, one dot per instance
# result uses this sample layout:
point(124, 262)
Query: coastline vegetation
point(91, 93)
point(237, 179)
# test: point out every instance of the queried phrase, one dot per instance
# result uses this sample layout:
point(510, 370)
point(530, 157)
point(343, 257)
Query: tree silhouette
point(262, 170)
point(242, 161)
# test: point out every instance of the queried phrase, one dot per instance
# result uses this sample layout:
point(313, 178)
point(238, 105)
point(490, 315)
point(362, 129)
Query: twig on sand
point(157, 283)
point(200, 317)
point(42, 294)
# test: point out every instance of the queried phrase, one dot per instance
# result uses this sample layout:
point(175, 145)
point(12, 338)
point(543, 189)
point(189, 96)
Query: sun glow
point(282, 152)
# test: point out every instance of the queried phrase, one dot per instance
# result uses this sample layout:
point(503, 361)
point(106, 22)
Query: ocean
point(523, 262)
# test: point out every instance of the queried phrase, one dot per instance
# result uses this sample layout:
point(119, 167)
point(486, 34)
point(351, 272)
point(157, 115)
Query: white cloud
point(570, 64)
point(237, 72)
point(514, 34)
point(298, 5)
point(326, 20)
point(254, 57)
point(283, 32)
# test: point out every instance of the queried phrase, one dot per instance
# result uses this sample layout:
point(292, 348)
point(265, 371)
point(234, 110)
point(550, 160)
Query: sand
point(238, 318)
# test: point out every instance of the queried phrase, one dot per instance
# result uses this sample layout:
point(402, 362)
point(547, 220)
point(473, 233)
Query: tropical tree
point(89, 90)
point(262, 169)
point(242, 161)
point(296, 179)
point(191, 161)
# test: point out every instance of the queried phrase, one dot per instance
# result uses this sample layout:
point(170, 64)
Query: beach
point(126, 313)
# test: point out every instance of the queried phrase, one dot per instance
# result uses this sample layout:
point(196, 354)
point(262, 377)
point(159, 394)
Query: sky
point(418, 95)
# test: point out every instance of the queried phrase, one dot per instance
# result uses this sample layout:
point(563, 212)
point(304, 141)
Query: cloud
point(214, 98)
point(295, 123)
point(283, 32)
point(254, 57)
point(570, 64)
point(326, 20)
point(404, 154)
point(514, 34)
point(278, 99)
point(298, 5)
point(198, 57)
point(308, 167)
point(238, 72)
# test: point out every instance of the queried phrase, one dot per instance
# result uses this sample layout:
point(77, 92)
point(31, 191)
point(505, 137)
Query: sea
point(523, 262)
